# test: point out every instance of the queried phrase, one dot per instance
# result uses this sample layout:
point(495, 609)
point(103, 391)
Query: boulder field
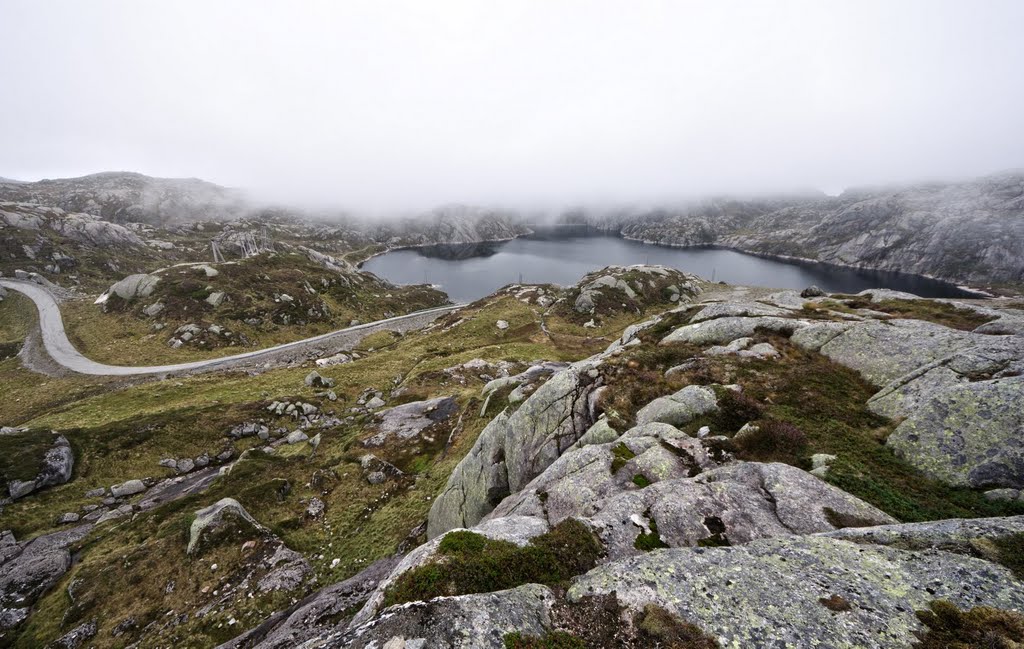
point(738, 551)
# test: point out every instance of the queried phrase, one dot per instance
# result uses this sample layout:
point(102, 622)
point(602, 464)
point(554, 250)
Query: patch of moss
point(468, 563)
point(947, 627)
point(652, 541)
point(641, 480)
point(660, 628)
point(1010, 553)
point(621, 454)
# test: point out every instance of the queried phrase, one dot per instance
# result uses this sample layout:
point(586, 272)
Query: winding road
point(60, 349)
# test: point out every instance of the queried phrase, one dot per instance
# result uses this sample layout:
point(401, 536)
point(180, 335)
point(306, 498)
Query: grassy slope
point(121, 432)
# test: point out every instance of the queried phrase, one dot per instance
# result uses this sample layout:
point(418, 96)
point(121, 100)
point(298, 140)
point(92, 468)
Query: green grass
point(468, 563)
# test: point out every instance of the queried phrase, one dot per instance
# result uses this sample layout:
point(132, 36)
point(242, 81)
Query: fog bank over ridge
point(405, 106)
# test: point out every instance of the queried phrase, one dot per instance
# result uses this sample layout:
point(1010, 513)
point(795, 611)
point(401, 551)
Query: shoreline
point(978, 293)
point(975, 293)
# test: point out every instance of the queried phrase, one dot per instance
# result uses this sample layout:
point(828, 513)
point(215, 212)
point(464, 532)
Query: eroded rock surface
point(769, 592)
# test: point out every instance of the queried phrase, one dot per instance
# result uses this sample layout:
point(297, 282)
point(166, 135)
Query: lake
point(467, 272)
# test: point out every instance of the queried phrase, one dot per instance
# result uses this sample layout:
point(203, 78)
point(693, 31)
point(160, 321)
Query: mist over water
point(471, 271)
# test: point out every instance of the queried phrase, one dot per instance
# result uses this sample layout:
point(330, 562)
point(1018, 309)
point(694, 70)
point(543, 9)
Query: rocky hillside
point(121, 197)
point(968, 232)
point(701, 466)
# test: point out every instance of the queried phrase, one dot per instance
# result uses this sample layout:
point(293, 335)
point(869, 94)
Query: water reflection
point(470, 271)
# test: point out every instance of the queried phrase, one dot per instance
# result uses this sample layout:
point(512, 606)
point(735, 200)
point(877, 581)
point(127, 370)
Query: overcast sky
point(386, 105)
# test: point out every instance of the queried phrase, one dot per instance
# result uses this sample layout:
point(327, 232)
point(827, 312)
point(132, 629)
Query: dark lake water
point(467, 272)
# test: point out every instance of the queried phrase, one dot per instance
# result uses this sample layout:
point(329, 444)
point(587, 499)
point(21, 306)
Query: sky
point(389, 105)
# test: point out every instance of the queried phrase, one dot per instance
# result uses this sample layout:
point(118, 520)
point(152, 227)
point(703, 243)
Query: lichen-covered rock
point(134, 286)
point(737, 309)
point(514, 529)
point(30, 568)
point(408, 420)
point(960, 535)
point(988, 357)
point(317, 615)
point(464, 622)
point(517, 446)
point(600, 433)
point(727, 329)
point(680, 408)
point(970, 434)
point(57, 465)
point(884, 351)
point(219, 518)
point(769, 593)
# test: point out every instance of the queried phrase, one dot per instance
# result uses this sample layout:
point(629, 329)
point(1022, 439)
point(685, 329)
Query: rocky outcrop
point(132, 287)
point(630, 288)
point(470, 622)
point(80, 228)
point(970, 434)
point(961, 535)
point(122, 197)
point(317, 615)
point(517, 445)
point(685, 498)
point(408, 421)
point(514, 529)
point(772, 592)
point(224, 517)
point(55, 469)
point(29, 569)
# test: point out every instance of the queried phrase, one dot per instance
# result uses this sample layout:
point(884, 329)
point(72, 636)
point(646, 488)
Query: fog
point(379, 105)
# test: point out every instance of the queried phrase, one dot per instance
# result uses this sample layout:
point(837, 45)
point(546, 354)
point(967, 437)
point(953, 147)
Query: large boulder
point(223, 518)
point(517, 446)
point(772, 592)
point(56, 468)
point(409, 420)
point(970, 434)
point(134, 286)
point(727, 329)
point(680, 408)
point(29, 569)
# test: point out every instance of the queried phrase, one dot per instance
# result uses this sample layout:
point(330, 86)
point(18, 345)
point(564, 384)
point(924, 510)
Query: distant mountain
point(120, 197)
point(966, 232)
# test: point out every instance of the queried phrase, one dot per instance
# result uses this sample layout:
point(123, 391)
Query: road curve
point(57, 345)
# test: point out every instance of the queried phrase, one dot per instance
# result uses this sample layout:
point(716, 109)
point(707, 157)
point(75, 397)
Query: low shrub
point(772, 441)
point(468, 563)
point(947, 627)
